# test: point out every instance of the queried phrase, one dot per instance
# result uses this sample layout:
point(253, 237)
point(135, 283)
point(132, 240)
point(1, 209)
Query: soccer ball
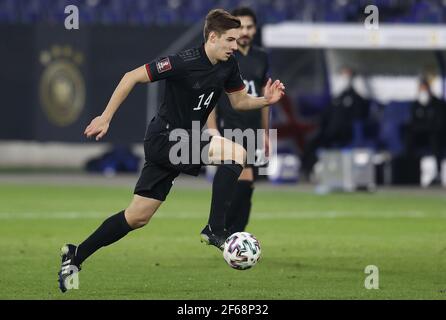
point(241, 251)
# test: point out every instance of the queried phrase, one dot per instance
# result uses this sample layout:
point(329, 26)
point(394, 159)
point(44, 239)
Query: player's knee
point(245, 155)
point(140, 221)
point(137, 218)
point(240, 155)
point(247, 175)
point(223, 149)
point(139, 213)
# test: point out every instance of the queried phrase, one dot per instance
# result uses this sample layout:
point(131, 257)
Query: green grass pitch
point(313, 247)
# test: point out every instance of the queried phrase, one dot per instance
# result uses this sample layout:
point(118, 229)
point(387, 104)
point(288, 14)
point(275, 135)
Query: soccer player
point(254, 69)
point(195, 79)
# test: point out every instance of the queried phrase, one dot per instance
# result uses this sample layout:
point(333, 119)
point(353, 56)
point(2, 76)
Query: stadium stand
point(152, 12)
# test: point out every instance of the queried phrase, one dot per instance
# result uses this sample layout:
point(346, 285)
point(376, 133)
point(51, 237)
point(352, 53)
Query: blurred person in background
point(337, 120)
point(426, 126)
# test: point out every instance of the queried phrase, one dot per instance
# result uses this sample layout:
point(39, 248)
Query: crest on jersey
point(163, 65)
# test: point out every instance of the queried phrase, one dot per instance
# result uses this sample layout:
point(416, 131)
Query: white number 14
point(206, 103)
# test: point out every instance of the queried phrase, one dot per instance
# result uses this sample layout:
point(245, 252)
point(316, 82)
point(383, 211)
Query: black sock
point(238, 216)
point(111, 230)
point(223, 187)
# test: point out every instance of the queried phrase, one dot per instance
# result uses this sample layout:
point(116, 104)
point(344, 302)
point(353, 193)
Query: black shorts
point(159, 172)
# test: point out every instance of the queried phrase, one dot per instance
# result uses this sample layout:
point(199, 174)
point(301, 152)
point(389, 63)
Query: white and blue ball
point(242, 250)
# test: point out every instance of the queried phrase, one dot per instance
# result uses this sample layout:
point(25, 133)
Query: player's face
point(247, 31)
point(226, 44)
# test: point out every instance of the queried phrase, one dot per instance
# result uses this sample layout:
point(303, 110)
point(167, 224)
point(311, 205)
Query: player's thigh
point(152, 188)
point(247, 174)
point(222, 149)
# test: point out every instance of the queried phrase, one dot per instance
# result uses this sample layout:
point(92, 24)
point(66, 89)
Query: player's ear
point(213, 36)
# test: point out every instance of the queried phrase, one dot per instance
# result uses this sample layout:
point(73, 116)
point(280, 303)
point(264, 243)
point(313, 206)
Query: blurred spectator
point(426, 127)
point(337, 121)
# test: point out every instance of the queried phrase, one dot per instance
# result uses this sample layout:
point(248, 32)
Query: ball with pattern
point(241, 251)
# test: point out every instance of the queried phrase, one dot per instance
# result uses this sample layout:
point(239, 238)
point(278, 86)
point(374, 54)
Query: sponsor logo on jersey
point(163, 65)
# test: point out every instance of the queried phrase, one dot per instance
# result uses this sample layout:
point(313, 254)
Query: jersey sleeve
point(165, 67)
point(234, 82)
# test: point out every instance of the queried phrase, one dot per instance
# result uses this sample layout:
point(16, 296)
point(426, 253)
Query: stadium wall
point(54, 81)
point(55, 155)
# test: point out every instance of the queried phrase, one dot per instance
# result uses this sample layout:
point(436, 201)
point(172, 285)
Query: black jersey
point(254, 70)
point(193, 85)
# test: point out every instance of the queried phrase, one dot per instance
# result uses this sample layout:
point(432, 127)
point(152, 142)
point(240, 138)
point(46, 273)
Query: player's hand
point(274, 91)
point(97, 128)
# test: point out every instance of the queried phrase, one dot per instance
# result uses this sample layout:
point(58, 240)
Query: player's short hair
point(219, 21)
point(245, 12)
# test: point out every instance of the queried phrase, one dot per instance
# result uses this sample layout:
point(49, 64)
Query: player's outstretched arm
point(99, 125)
point(273, 92)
